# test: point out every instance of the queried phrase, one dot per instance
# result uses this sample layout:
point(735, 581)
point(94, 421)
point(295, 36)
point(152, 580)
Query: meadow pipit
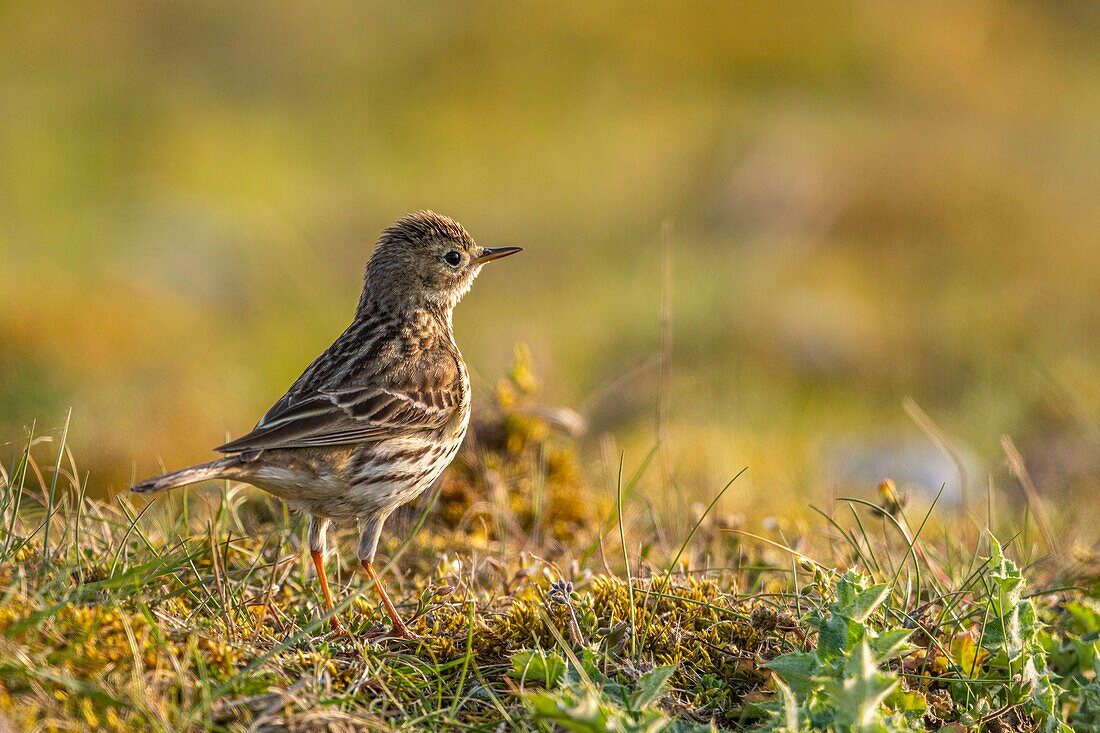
point(377, 417)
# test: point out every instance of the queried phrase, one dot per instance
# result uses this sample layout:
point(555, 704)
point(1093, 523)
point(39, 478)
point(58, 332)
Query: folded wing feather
point(353, 415)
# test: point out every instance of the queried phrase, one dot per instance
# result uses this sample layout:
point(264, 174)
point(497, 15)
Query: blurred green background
point(861, 203)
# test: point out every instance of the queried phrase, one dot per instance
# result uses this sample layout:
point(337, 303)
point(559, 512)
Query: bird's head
point(424, 260)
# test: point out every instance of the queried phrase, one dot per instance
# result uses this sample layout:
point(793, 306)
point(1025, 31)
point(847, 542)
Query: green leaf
point(537, 666)
point(1087, 714)
point(590, 665)
point(890, 644)
point(797, 670)
point(1045, 694)
point(858, 698)
point(581, 714)
point(856, 601)
point(1007, 579)
point(1012, 633)
point(838, 637)
point(907, 701)
point(792, 711)
point(581, 709)
point(1086, 615)
point(685, 726)
point(651, 686)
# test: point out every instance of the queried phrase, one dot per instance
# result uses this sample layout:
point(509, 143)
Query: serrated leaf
point(838, 637)
point(889, 644)
point(1087, 714)
point(1045, 694)
point(1007, 579)
point(797, 670)
point(907, 701)
point(1011, 633)
point(859, 696)
point(538, 667)
point(792, 712)
point(651, 686)
point(855, 600)
point(590, 664)
point(581, 714)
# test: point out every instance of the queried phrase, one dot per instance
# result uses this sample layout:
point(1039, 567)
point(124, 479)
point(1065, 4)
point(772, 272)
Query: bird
point(377, 417)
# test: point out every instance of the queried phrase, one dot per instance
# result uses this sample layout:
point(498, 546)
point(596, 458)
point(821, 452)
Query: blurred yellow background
point(862, 203)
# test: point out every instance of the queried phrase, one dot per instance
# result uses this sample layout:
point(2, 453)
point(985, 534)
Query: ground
point(539, 603)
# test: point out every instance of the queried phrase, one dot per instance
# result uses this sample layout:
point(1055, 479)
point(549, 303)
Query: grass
point(537, 607)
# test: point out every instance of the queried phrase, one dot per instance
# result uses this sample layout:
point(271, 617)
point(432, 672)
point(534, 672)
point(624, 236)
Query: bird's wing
point(423, 399)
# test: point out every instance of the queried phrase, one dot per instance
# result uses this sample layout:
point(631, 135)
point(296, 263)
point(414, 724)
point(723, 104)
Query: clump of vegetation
point(840, 682)
point(199, 611)
point(519, 474)
point(580, 697)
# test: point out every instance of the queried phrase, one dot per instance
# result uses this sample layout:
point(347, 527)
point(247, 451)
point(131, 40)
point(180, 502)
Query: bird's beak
point(488, 255)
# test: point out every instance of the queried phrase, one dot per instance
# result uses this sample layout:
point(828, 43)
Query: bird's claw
point(396, 632)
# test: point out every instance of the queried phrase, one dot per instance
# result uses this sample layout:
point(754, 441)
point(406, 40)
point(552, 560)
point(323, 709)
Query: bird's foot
point(402, 632)
point(395, 632)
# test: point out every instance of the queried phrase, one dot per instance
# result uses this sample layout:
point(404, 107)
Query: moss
point(519, 464)
point(691, 624)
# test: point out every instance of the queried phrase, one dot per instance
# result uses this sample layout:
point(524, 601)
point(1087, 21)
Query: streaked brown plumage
point(377, 417)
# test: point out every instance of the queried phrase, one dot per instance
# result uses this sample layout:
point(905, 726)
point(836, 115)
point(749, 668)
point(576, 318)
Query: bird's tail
point(223, 468)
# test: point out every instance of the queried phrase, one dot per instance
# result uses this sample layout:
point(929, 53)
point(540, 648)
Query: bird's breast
point(388, 474)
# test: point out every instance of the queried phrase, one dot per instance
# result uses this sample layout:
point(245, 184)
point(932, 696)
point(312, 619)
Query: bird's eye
point(452, 258)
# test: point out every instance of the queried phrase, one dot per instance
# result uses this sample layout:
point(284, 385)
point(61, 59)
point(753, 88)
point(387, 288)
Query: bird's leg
point(368, 544)
point(399, 628)
point(317, 530)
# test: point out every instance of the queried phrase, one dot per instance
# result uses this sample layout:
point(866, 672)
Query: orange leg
point(399, 628)
point(319, 563)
